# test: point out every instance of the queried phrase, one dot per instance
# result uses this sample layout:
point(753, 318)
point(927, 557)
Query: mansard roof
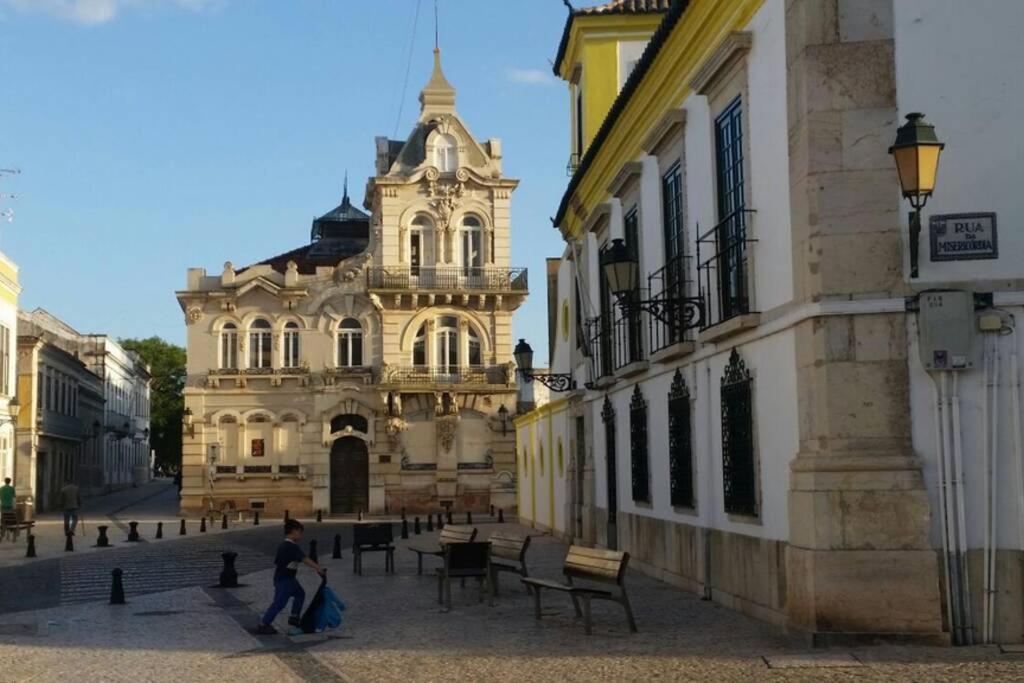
point(341, 233)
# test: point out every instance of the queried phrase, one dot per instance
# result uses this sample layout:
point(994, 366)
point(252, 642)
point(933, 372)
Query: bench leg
point(447, 594)
point(586, 614)
point(536, 602)
point(419, 563)
point(629, 611)
point(482, 586)
point(491, 591)
point(494, 580)
point(576, 605)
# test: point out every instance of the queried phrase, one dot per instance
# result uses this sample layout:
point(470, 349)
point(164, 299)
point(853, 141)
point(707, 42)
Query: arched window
point(447, 343)
point(472, 245)
point(475, 357)
point(291, 345)
point(446, 154)
point(260, 344)
point(350, 344)
point(419, 237)
point(419, 347)
point(229, 347)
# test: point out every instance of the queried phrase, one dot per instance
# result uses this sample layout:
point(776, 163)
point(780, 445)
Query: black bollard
point(228, 575)
point(159, 530)
point(182, 531)
point(416, 526)
point(116, 588)
point(313, 554)
point(360, 514)
point(403, 512)
point(224, 521)
point(405, 528)
point(31, 552)
point(449, 515)
point(430, 522)
point(202, 525)
point(287, 515)
point(102, 541)
point(501, 516)
point(69, 545)
point(133, 532)
point(256, 518)
point(440, 521)
point(469, 518)
point(336, 553)
point(492, 511)
point(319, 515)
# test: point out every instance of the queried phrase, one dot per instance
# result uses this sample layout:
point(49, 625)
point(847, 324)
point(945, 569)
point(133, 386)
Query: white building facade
point(779, 455)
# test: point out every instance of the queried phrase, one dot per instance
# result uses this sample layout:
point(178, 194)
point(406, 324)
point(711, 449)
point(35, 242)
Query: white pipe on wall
point(946, 530)
point(964, 587)
point(993, 474)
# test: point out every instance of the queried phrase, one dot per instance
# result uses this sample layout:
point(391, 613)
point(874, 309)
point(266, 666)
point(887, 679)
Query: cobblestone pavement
point(395, 631)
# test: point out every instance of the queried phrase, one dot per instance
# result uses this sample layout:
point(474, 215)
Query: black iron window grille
point(608, 417)
point(640, 464)
point(739, 471)
point(631, 343)
point(680, 443)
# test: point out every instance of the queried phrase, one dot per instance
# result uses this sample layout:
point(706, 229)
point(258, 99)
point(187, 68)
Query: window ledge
point(673, 351)
point(728, 328)
point(605, 381)
point(634, 368)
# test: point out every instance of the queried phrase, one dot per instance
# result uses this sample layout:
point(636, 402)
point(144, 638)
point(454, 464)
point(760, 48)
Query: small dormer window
point(446, 154)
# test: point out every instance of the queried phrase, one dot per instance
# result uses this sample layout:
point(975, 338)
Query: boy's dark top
point(289, 557)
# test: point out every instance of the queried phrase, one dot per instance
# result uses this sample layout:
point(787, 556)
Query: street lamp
point(916, 152)
point(14, 407)
point(552, 380)
point(622, 272)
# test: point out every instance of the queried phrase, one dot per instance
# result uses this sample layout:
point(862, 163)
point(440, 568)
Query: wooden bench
point(450, 534)
point(373, 537)
point(465, 560)
point(11, 526)
point(593, 565)
point(508, 554)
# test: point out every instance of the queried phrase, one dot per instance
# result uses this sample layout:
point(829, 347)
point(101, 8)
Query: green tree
point(167, 364)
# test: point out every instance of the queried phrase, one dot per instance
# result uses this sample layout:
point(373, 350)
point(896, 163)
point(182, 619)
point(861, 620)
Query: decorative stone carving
point(194, 315)
point(446, 426)
point(375, 301)
point(445, 198)
point(394, 428)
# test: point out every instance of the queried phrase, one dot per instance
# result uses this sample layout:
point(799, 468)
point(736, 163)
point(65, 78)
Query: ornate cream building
point(370, 369)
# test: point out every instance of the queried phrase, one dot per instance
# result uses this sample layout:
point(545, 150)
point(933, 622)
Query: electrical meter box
point(946, 328)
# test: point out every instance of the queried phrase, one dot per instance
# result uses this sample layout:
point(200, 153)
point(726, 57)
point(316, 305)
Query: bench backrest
point(457, 534)
point(595, 564)
point(509, 547)
point(372, 534)
point(466, 556)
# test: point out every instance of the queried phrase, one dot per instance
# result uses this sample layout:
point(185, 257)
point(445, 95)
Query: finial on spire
point(344, 196)
point(437, 42)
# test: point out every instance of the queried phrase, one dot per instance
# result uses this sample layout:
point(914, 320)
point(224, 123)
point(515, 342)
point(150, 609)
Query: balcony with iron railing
point(668, 285)
point(447, 278)
point(426, 375)
point(723, 275)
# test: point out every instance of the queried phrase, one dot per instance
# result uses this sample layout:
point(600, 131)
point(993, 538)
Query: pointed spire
point(438, 96)
point(344, 198)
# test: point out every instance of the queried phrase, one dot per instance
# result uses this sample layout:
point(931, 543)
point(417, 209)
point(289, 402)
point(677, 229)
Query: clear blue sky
point(158, 135)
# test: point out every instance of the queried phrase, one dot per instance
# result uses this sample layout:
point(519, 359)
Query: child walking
point(286, 586)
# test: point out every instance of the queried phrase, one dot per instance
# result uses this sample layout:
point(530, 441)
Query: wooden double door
point(350, 476)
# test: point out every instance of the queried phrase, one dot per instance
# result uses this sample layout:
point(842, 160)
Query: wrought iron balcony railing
point(424, 374)
point(723, 277)
point(599, 341)
point(447, 278)
point(670, 282)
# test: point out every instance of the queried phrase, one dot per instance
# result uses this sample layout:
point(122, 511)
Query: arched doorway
point(350, 476)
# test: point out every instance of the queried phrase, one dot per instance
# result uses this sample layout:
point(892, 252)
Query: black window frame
point(640, 463)
point(731, 233)
point(680, 444)
point(739, 464)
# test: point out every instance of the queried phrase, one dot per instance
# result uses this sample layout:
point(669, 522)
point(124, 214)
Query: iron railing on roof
point(426, 374)
point(671, 282)
point(453, 278)
point(723, 277)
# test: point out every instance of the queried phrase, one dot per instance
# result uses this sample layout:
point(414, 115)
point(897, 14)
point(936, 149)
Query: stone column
point(860, 561)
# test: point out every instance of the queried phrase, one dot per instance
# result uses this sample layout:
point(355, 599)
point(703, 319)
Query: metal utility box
point(946, 328)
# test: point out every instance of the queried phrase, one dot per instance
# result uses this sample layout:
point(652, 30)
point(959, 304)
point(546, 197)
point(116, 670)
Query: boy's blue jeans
point(285, 589)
